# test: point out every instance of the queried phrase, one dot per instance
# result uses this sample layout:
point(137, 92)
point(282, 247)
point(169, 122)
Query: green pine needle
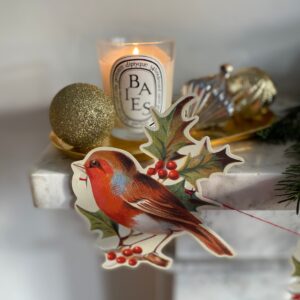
point(284, 130)
point(289, 186)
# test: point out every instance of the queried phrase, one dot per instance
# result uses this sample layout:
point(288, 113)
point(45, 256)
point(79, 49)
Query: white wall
point(45, 45)
point(48, 44)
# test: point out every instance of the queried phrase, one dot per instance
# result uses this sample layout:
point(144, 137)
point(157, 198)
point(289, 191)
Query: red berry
point(137, 250)
point(151, 171)
point(162, 173)
point(121, 259)
point(171, 165)
point(132, 261)
point(159, 165)
point(111, 255)
point(173, 174)
point(190, 192)
point(127, 252)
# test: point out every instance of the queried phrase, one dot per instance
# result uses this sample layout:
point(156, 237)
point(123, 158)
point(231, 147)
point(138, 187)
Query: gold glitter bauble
point(82, 116)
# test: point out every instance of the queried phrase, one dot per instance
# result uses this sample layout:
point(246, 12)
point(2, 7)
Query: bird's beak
point(82, 169)
point(79, 166)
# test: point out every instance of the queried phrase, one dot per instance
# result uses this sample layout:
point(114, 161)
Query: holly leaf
point(188, 199)
point(99, 221)
point(296, 265)
point(205, 163)
point(169, 133)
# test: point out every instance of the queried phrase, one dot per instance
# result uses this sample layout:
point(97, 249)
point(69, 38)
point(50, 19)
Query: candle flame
point(136, 51)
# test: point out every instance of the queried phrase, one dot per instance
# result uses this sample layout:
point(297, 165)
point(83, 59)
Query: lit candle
point(137, 76)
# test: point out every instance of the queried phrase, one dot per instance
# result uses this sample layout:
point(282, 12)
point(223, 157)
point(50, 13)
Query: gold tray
point(235, 130)
point(130, 146)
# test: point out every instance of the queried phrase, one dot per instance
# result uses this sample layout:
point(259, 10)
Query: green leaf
point(99, 221)
point(296, 265)
point(205, 163)
point(168, 136)
point(191, 202)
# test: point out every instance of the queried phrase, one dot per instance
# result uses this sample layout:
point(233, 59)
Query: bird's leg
point(124, 238)
point(164, 239)
point(142, 240)
point(137, 234)
point(129, 235)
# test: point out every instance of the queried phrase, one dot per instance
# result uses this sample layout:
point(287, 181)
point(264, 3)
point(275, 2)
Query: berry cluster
point(127, 254)
point(163, 170)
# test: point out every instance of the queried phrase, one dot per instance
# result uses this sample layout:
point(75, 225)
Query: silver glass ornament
point(212, 105)
point(246, 93)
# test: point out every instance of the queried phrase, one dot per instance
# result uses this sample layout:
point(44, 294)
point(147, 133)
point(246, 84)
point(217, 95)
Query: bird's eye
point(94, 164)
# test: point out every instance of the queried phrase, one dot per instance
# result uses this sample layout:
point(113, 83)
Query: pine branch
point(293, 150)
point(289, 186)
point(286, 129)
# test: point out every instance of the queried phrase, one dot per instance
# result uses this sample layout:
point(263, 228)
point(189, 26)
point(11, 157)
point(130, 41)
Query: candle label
point(138, 82)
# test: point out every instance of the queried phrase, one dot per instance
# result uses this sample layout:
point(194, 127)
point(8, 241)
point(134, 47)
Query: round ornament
point(82, 115)
point(244, 95)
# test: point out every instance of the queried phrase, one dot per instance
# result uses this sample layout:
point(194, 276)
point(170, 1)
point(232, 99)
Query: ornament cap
point(226, 69)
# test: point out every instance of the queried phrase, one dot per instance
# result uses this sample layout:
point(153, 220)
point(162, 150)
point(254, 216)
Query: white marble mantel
point(249, 186)
point(261, 268)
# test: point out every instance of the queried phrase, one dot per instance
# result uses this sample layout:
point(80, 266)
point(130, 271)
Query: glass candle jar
point(137, 75)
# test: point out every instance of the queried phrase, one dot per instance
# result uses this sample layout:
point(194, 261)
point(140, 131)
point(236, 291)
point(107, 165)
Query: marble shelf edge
point(249, 186)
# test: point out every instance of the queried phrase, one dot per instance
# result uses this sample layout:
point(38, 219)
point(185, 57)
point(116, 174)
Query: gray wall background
point(45, 45)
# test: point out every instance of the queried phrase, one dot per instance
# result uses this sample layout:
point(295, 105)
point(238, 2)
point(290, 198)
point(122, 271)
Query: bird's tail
point(210, 240)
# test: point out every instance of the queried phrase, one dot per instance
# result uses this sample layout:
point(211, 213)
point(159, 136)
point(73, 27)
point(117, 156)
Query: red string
point(260, 219)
